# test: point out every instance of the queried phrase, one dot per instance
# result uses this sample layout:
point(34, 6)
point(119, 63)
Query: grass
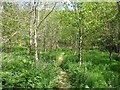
point(95, 72)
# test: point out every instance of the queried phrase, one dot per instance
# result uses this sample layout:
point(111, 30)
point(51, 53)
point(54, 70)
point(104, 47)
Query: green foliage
point(96, 57)
point(51, 55)
point(18, 70)
point(99, 21)
point(116, 56)
point(95, 72)
point(92, 77)
point(111, 78)
point(30, 78)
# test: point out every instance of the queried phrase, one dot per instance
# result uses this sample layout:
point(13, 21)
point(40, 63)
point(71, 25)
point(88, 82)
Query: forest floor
point(17, 70)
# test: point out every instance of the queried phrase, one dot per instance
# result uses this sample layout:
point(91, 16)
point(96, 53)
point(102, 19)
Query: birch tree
point(35, 33)
point(78, 9)
point(36, 25)
point(31, 31)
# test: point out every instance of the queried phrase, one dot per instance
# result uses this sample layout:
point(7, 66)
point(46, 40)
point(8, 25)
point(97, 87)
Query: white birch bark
point(35, 35)
point(81, 39)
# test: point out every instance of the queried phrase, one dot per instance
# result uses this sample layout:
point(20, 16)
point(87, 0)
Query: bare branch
point(47, 15)
point(10, 37)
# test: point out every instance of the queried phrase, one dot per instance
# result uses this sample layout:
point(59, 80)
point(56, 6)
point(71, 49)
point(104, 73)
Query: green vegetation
point(60, 44)
point(18, 70)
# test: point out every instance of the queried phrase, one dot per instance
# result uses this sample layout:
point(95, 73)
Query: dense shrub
point(116, 56)
point(82, 77)
point(19, 71)
point(111, 78)
point(92, 76)
point(52, 56)
point(70, 58)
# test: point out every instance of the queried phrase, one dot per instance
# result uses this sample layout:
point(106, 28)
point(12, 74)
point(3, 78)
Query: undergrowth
point(18, 69)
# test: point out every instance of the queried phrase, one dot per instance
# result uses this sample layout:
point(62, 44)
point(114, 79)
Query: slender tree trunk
point(38, 16)
point(44, 38)
point(30, 36)
point(35, 36)
point(110, 55)
point(78, 14)
point(79, 55)
point(44, 34)
point(81, 40)
point(80, 37)
point(57, 37)
point(53, 38)
point(56, 40)
point(50, 38)
point(118, 3)
point(80, 45)
point(118, 38)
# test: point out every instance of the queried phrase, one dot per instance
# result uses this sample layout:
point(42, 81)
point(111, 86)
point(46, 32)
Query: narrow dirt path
point(60, 58)
point(61, 80)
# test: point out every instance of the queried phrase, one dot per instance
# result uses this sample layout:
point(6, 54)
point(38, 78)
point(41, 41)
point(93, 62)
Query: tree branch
point(47, 15)
point(10, 37)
